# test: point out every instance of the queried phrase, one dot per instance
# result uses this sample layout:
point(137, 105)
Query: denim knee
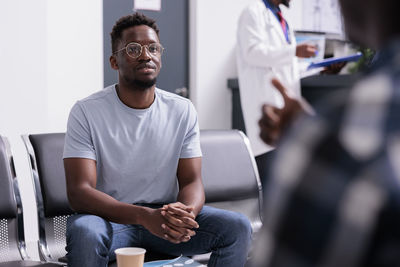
point(232, 237)
point(88, 232)
point(240, 225)
point(234, 227)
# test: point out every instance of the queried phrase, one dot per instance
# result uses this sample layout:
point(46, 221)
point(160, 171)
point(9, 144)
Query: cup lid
point(130, 251)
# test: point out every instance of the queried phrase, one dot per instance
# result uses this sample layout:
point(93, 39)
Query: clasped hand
point(180, 222)
point(173, 222)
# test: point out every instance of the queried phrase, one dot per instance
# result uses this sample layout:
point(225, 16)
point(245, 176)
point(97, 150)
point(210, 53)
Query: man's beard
point(143, 85)
point(286, 3)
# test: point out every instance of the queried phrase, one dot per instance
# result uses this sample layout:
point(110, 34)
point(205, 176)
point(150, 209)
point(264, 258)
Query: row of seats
point(229, 173)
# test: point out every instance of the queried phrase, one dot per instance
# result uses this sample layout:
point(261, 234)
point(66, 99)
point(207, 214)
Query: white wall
point(212, 58)
point(74, 55)
point(50, 56)
point(294, 13)
point(23, 84)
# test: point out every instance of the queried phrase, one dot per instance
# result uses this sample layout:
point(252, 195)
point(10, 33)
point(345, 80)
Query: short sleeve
point(78, 139)
point(191, 143)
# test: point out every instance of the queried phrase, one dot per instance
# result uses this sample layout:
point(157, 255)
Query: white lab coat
point(263, 53)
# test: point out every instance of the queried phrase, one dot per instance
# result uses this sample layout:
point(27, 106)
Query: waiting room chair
point(47, 169)
point(12, 243)
point(230, 180)
point(230, 174)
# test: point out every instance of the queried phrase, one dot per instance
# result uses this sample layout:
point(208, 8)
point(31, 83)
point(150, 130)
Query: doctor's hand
point(306, 50)
point(274, 121)
point(334, 68)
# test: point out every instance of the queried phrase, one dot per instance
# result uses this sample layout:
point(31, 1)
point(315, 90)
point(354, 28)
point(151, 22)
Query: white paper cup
point(130, 257)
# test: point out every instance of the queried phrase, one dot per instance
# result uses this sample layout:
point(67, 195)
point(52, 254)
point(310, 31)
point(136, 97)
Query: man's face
point(141, 71)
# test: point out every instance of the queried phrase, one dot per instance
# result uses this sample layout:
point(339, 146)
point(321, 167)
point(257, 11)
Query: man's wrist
point(141, 215)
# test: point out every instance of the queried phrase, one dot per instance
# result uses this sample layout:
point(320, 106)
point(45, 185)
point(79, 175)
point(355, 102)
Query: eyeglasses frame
point(141, 49)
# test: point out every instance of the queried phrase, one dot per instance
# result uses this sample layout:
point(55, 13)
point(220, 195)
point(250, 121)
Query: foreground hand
point(306, 50)
point(156, 224)
point(275, 120)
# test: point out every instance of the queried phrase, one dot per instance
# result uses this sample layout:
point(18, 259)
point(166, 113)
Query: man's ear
point(113, 62)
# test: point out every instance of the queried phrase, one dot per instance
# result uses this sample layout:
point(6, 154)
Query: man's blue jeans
point(91, 240)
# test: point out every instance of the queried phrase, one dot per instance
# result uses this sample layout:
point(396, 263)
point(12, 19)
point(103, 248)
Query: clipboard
point(330, 61)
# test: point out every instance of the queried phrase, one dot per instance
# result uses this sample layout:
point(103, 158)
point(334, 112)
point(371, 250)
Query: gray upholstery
point(230, 175)
point(12, 243)
point(227, 167)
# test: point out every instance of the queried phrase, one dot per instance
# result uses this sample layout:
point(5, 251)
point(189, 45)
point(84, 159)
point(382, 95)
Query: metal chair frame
point(50, 249)
point(16, 225)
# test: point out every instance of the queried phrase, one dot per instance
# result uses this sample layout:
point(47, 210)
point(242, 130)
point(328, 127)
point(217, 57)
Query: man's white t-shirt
point(136, 150)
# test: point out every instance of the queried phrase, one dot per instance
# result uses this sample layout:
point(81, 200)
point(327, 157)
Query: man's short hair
point(125, 22)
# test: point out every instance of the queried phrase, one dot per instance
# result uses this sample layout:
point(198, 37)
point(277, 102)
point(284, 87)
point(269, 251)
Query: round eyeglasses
point(134, 50)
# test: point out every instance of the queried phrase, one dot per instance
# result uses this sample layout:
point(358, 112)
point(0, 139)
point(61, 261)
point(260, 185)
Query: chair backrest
point(45, 157)
point(12, 243)
point(230, 174)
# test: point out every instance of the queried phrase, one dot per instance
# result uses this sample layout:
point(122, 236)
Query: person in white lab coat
point(266, 49)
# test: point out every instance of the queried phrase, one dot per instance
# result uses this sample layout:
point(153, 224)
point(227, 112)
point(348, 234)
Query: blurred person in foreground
point(335, 196)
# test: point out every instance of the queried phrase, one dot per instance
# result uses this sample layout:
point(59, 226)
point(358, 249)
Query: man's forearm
point(192, 195)
point(103, 205)
point(92, 201)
